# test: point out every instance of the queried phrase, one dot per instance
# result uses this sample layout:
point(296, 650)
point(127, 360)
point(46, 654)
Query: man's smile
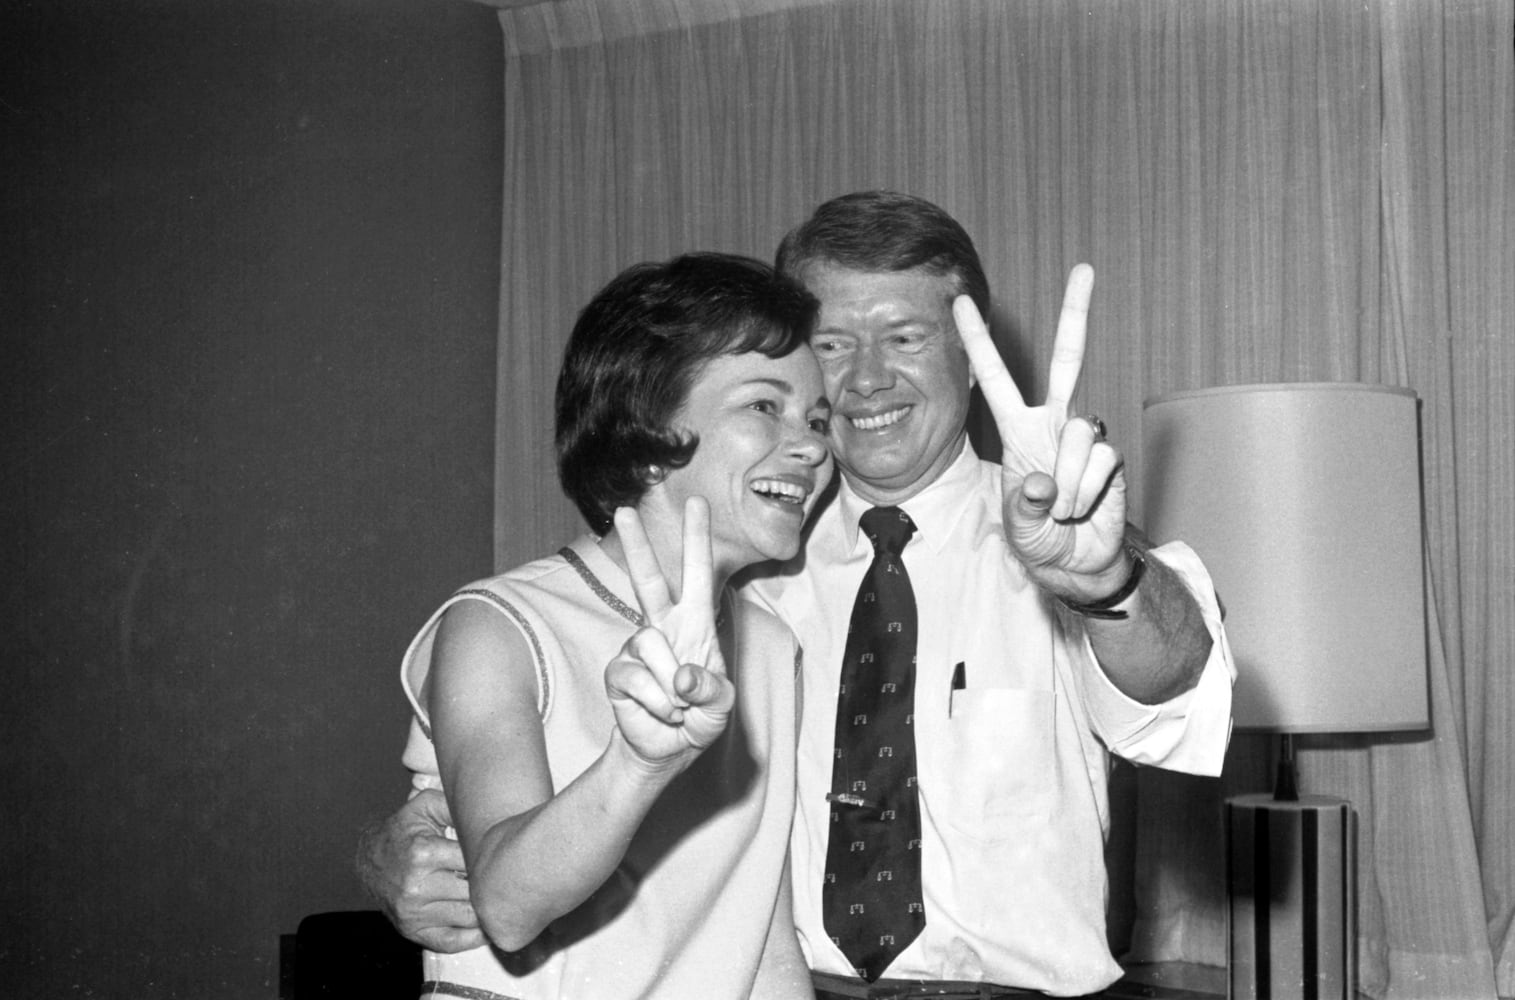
point(878, 421)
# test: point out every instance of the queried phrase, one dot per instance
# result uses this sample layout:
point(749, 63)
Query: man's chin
point(894, 466)
point(877, 468)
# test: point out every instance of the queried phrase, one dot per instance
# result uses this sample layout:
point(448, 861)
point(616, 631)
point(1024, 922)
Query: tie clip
point(850, 800)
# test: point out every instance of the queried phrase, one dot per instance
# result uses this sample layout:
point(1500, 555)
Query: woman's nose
point(810, 446)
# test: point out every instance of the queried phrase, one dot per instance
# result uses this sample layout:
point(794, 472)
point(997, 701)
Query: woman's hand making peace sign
point(668, 685)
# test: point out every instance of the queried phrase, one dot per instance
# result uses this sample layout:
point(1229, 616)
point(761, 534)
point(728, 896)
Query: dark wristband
point(1104, 608)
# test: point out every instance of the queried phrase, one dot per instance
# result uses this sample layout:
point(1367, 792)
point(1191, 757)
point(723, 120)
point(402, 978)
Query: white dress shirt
point(1013, 768)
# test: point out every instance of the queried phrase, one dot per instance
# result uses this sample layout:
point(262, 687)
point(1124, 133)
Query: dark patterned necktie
point(871, 899)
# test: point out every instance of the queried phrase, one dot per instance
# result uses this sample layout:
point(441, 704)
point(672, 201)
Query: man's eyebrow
point(893, 323)
point(910, 320)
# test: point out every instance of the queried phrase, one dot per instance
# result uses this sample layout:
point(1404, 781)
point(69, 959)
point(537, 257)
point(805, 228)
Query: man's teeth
point(780, 490)
point(873, 423)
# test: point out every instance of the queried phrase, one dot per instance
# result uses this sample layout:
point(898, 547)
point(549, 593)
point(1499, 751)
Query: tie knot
point(888, 528)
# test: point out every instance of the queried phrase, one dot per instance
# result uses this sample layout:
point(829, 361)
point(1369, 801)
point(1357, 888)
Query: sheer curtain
point(1269, 190)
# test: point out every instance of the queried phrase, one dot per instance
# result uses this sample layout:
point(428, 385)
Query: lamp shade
point(1304, 502)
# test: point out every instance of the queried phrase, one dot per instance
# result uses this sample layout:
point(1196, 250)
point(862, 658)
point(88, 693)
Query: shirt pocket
point(999, 771)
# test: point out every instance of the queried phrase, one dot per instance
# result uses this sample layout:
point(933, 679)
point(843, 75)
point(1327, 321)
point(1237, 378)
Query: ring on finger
point(1097, 425)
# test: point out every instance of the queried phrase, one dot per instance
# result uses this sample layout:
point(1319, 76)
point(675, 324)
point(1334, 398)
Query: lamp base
point(1291, 876)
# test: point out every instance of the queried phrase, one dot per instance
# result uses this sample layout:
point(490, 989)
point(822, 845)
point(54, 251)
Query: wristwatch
point(1104, 608)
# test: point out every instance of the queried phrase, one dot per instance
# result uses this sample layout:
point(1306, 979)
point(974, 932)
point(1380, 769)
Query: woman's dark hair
point(880, 231)
point(634, 354)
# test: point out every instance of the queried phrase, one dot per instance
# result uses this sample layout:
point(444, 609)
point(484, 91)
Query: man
point(953, 827)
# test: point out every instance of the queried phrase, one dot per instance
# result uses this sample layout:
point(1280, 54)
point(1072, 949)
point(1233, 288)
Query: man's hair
point(635, 353)
point(880, 231)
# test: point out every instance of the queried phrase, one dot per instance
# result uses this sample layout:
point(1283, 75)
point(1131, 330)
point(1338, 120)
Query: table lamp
point(1304, 502)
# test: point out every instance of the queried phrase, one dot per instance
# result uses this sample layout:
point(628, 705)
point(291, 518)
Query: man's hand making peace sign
point(1064, 485)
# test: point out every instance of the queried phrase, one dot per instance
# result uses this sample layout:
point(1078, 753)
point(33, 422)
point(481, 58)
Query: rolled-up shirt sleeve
point(1187, 733)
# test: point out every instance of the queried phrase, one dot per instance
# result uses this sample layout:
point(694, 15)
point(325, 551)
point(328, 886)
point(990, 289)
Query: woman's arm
point(514, 830)
point(493, 759)
point(491, 752)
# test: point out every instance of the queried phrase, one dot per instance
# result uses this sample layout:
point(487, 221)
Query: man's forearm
point(1160, 648)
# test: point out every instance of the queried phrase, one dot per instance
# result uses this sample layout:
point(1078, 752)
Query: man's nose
point(869, 371)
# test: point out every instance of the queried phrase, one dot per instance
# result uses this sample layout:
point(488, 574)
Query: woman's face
point(762, 457)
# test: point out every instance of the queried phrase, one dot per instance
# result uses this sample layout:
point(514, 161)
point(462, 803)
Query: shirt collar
point(935, 509)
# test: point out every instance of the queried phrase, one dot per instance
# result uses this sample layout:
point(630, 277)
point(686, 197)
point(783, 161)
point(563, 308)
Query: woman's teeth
point(777, 489)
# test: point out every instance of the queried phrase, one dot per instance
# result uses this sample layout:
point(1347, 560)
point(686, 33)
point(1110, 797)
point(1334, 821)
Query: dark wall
point(248, 296)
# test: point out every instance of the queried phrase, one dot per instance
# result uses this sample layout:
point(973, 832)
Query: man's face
point(896, 374)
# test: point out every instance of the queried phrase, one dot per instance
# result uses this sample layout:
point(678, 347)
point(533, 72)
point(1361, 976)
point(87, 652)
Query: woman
point(625, 826)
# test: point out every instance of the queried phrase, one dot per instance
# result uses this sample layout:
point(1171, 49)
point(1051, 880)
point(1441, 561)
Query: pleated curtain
point(1268, 190)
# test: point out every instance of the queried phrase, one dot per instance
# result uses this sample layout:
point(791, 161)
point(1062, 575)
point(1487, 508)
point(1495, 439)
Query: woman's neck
point(668, 548)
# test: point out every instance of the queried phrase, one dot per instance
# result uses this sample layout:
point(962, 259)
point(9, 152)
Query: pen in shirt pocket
point(959, 681)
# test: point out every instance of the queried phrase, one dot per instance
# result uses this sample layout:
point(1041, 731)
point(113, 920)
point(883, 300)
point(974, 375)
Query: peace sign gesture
point(668, 685)
point(1064, 487)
